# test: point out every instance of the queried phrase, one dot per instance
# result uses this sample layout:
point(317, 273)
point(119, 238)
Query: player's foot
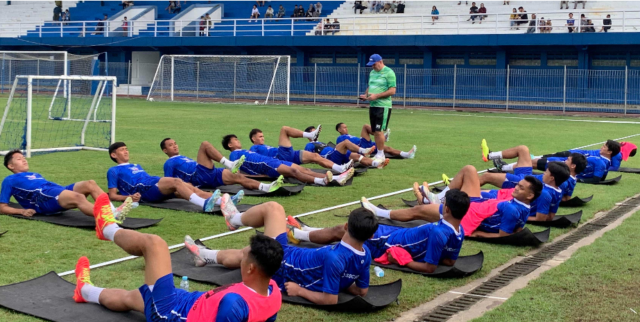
point(291, 221)
point(446, 180)
point(348, 165)
point(367, 205)
point(369, 150)
point(290, 236)
point(328, 178)
point(103, 215)
point(387, 133)
point(498, 163)
point(429, 197)
point(418, 194)
point(228, 211)
point(317, 133)
point(210, 203)
point(412, 152)
point(277, 184)
point(345, 176)
point(194, 249)
point(82, 278)
point(237, 164)
point(121, 212)
point(383, 164)
point(485, 150)
point(237, 197)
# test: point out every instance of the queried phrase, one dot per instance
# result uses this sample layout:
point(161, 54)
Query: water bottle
point(379, 272)
point(184, 284)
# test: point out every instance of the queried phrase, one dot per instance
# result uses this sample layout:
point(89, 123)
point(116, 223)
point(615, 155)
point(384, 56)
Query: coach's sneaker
point(277, 184)
point(120, 213)
point(412, 153)
point(194, 249)
point(328, 178)
point(387, 133)
point(82, 278)
point(383, 164)
point(228, 211)
point(485, 150)
point(210, 203)
point(498, 164)
point(290, 235)
point(237, 197)
point(446, 180)
point(316, 133)
point(237, 164)
point(103, 215)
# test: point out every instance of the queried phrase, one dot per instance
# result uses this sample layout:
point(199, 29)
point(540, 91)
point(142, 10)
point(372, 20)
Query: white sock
point(495, 155)
point(380, 154)
point(443, 193)
point(91, 293)
point(362, 150)
point(384, 213)
point(301, 234)
point(337, 168)
point(309, 135)
point(218, 201)
point(196, 200)
point(113, 208)
point(508, 167)
point(264, 187)
point(236, 220)
point(225, 162)
point(209, 255)
point(319, 181)
point(404, 154)
point(307, 228)
point(375, 163)
point(109, 232)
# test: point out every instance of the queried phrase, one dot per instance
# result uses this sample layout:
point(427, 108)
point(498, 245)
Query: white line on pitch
point(483, 296)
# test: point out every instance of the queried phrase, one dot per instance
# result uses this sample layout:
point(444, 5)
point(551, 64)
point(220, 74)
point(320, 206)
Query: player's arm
point(232, 308)
point(364, 96)
point(357, 291)
point(542, 217)
point(168, 170)
point(422, 267)
point(435, 246)
point(321, 298)
point(5, 209)
point(114, 196)
point(390, 92)
point(566, 198)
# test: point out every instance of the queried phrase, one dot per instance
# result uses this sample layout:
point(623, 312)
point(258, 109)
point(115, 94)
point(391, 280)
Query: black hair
point(113, 148)
point(163, 143)
point(309, 129)
point(633, 152)
point(226, 139)
point(580, 161)
point(338, 125)
point(458, 202)
point(362, 224)
point(9, 156)
point(254, 132)
point(559, 171)
point(535, 186)
point(267, 253)
point(614, 147)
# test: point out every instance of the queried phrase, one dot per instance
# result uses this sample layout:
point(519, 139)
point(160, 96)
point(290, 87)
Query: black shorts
point(379, 118)
point(542, 164)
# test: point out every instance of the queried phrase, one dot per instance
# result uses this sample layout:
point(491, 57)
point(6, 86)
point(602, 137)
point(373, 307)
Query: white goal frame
point(92, 110)
point(172, 57)
point(64, 53)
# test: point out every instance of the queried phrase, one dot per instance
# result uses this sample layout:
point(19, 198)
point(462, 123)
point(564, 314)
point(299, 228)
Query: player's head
point(16, 162)
point(375, 61)
point(557, 173)
point(456, 202)
point(230, 142)
point(119, 153)
point(576, 162)
point(256, 136)
point(362, 224)
point(610, 149)
point(310, 129)
point(342, 128)
point(527, 190)
point(262, 257)
point(169, 147)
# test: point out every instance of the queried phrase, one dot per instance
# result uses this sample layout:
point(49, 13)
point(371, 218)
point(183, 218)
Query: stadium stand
point(19, 17)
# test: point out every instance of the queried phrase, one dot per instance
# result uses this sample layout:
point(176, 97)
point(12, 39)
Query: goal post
point(223, 78)
point(57, 118)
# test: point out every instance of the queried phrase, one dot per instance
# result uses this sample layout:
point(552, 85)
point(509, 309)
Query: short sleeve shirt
point(380, 82)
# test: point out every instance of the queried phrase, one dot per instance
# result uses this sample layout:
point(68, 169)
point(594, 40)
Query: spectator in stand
point(57, 10)
point(125, 27)
point(301, 11)
point(401, 6)
point(590, 27)
point(358, 6)
point(513, 18)
point(260, 3)
point(394, 6)
point(505, 3)
point(281, 12)
point(372, 5)
point(465, 3)
point(473, 10)
point(207, 18)
point(203, 25)
point(575, 4)
point(327, 27)
point(177, 7)
point(532, 24)
point(318, 30)
point(583, 23)
point(67, 15)
point(523, 17)
point(336, 26)
point(606, 24)
point(542, 26)
point(255, 14)
point(318, 9)
point(311, 12)
point(172, 4)
point(387, 7)
point(549, 26)
point(126, 4)
point(482, 9)
point(269, 12)
point(295, 12)
point(564, 4)
point(434, 15)
point(571, 23)
point(100, 26)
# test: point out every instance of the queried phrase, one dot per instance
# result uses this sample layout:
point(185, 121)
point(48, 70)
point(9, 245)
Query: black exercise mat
point(438, 189)
point(49, 297)
point(629, 170)
point(284, 191)
point(560, 221)
point(4, 232)
point(410, 203)
point(464, 266)
point(185, 205)
point(606, 182)
point(394, 157)
point(377, 297)
point(522, 238)
point(182, 265)
point(576, 202)
point(75, 218)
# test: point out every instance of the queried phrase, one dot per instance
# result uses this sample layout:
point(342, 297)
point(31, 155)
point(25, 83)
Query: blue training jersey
point(265, 150)
point(568, 186)
point(329, 269)
point(509, 216)
point(429, 243)
point(549, 199)
point(129, 178)
point(354, 139)
point(179, 166)
point(315, 147)
point(233, 307)
point(25, 187)
point(597, 165)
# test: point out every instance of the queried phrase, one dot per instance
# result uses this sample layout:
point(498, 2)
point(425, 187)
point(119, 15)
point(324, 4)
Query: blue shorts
point(518, 174)
point(289, 154)
point(47, 202)
point(377, 244)
point(365, 144)
point(284, 242)
point(207, 178)
point(150, 192)
point(335, 156)
point(166, 303)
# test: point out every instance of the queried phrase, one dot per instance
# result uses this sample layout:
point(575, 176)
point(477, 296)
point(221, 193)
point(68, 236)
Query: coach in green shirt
point(382, 85)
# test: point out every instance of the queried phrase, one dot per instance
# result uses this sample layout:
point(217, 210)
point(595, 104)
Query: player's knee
point(155, 241)
point(524, 149)
point(92, 183)
point(274, 207)
point(469, 168)
point(294, 172)
point(204, 144)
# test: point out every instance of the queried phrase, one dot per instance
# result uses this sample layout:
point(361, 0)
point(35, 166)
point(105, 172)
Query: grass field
point(446, 142)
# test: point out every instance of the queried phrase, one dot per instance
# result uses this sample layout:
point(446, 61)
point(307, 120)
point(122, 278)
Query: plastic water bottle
point(379, 272)
point(184, 284)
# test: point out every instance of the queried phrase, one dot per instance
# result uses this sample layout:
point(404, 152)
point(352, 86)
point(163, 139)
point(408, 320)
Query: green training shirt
point(380, 82)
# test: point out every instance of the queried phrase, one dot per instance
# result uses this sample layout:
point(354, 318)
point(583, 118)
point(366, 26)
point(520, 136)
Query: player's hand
point(391, 259)
point(372, 97)
point(28, 212)
point(136, 197)
point(293, 289)
point(363, 97)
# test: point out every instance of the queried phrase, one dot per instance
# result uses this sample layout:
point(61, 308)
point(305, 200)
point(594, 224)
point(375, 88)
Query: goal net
point(262, 79)
point(78, 116)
